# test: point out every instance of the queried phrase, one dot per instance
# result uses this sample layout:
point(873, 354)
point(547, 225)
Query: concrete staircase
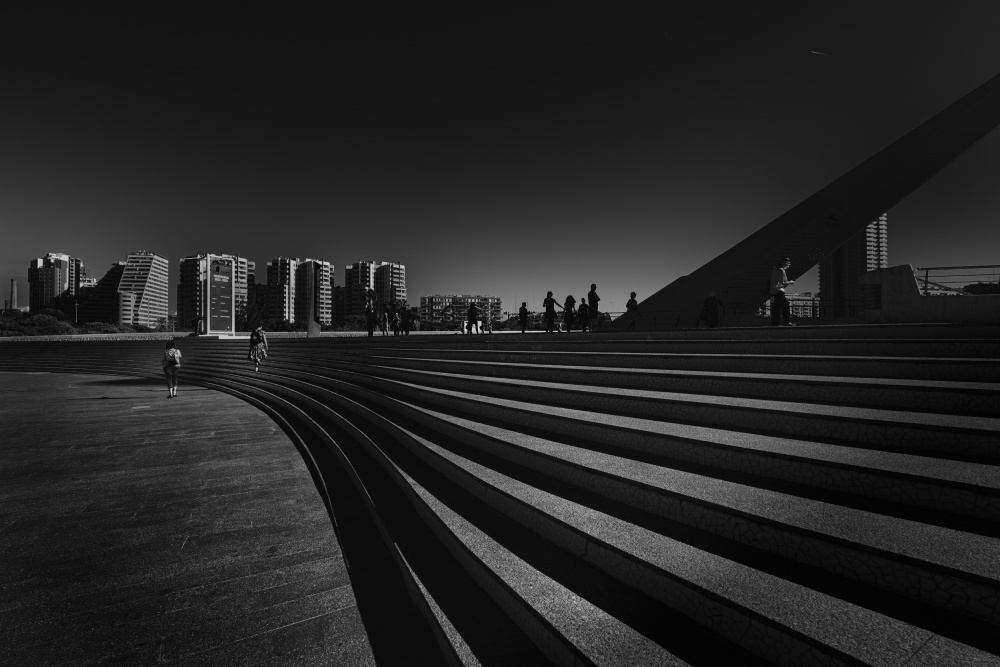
point(814, 495)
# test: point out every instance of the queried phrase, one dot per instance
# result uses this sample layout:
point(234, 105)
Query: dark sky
point(489, 153)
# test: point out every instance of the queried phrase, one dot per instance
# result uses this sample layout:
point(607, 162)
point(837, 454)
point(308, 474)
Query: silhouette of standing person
point(710, 310)
point(370, 314)
point(473, 317)
point(522, 316)
point(407, 321)
point(550, 313)
point(780, 308)
point(569, 312)
point(171, 363)
point(632, 310)
point(258, 347)
point(394, 321)
point(583, 315)
point(593, 309)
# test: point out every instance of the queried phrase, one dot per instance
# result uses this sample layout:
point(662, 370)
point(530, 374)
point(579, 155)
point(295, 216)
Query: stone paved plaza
point(141, 530)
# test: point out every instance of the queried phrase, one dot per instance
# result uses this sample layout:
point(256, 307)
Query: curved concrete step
point(933, 348)
point(944, 435)
point(951, 487)
point(862, 546)
point(744, 605)
point(943, 397)
point(973, 369)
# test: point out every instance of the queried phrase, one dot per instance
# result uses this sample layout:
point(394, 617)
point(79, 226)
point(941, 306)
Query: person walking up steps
point(171, 364)
point(258, 347)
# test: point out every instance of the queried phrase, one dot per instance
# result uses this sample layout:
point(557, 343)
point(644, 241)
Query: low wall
point(893, 297)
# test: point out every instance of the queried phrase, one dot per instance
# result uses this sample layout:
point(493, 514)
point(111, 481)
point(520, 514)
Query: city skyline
point(510, 158)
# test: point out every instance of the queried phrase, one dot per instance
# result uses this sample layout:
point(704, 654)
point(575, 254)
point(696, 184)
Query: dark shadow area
point(488, 631)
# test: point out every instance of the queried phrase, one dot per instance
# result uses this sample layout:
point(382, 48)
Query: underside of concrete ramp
point(820, 224)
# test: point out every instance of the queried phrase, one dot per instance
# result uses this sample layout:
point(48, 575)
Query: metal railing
point(981, 280)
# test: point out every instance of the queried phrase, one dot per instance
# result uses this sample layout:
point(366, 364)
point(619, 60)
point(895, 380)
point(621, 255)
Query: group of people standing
point(392, 316)
point(586, 316)
point(472, 320)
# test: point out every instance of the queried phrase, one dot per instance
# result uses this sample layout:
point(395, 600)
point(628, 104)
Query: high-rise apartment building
point(53, 280)
point(131, 292)
point(320, 272)
point(386, 279)
point(281, 287)
point(390, 282)
point(358, 279)
point(339, 303)
point(147, 278)
point(190, 286)
point(839, 292)
point(13, 294)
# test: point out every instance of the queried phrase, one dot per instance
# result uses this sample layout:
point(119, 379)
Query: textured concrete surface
point(137, 529)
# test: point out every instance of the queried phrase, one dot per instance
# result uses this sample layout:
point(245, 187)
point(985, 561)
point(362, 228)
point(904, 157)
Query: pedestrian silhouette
point(473, 317)
point(569, 312)
point(583, 315)
point(594, 302)
point(632, 311)
point(710, 310)
point(550, 313)
point(780, 308)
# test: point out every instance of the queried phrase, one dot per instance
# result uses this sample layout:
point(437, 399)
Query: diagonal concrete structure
point(817, 226)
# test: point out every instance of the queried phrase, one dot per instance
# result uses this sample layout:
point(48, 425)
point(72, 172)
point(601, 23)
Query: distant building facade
point(281, 287)
point(287, 289)
point(805, 304)
point(390, 282)
point(320, 272)
point(101, 304)
point(339, 303)
point(868, 250)
point(191, 286)
point(358, 279)
point(53, 281)
point(132, 292)
point(386, 279)
point(147, 279)
point(448, 308)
